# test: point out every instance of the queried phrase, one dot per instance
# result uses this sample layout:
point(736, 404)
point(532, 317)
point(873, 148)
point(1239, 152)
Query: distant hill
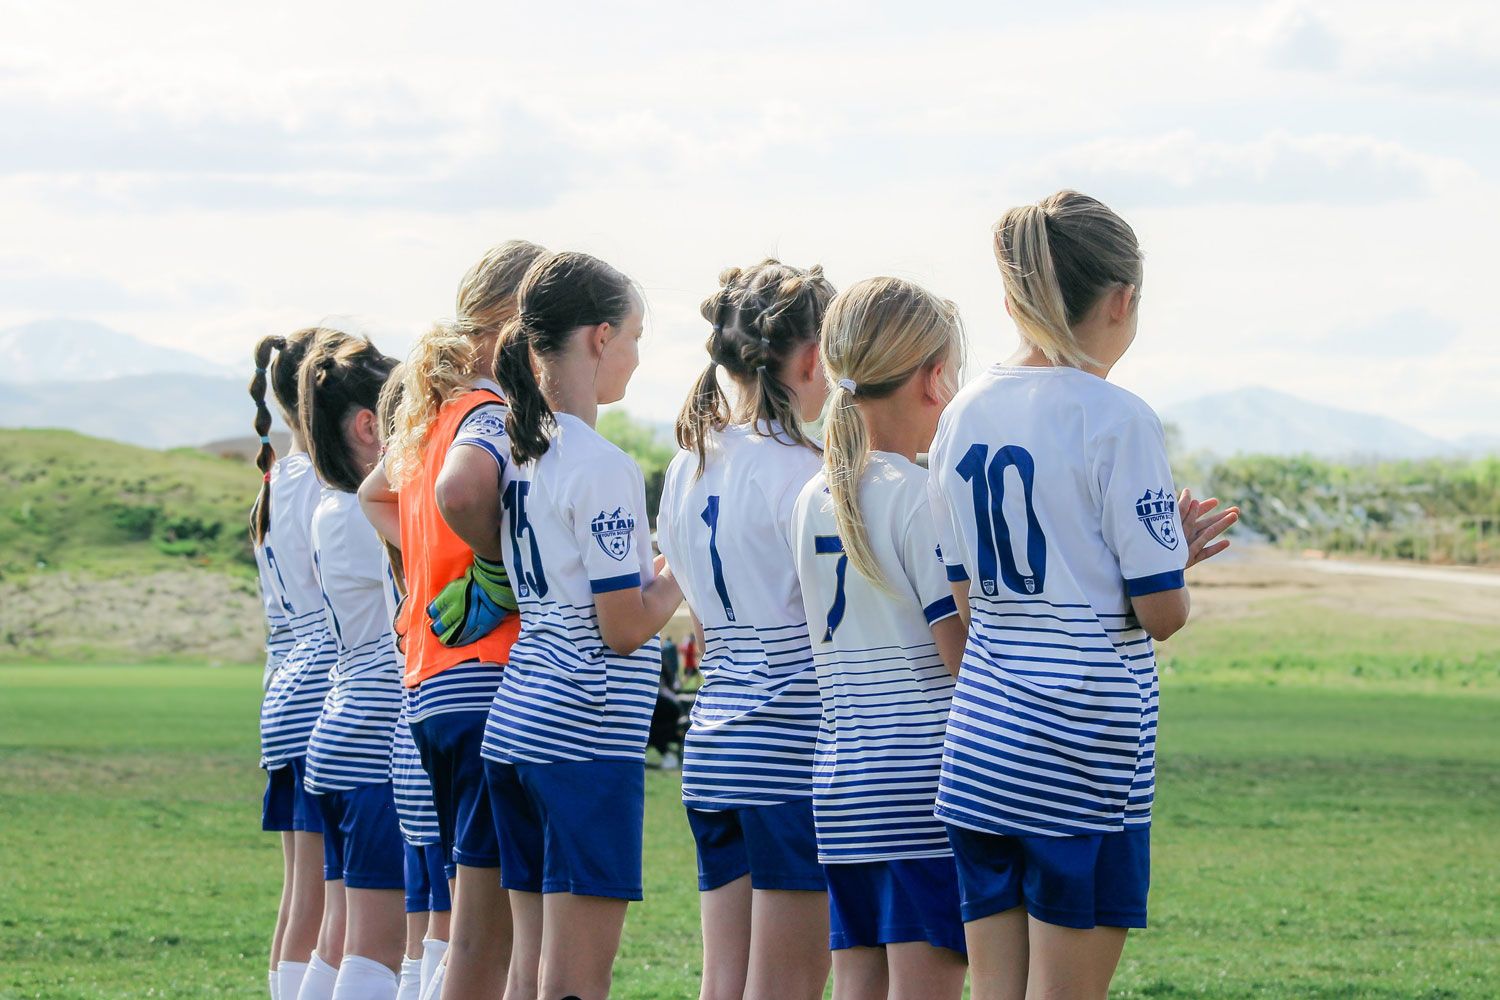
point(73, 350)
point(1264, 421)
point(154, 411)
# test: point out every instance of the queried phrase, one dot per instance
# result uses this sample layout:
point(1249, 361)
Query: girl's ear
point(366, 427)
point(935, 384)
point(599, 336)
point(1121, 301)
point(809, 363)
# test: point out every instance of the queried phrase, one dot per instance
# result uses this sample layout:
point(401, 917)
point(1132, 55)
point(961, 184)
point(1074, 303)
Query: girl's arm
point(468, 496)
point(628, 618)
point(951, 634)
point(1163, 614)
point(378, 501)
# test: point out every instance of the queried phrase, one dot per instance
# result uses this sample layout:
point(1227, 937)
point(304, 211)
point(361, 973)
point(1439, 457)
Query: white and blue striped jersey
point(415, 811)
point(724, 533)
point(1053, 497)
point(279, 636)
point(294, 694)
point(574, 525)
point(884, 688)
point(351, 743)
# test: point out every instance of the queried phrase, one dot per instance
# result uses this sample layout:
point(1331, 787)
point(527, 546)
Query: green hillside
point(84, 505)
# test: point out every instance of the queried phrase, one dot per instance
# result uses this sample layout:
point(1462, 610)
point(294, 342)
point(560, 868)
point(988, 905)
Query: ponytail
point(759, 317)
point(878, 334)
point(560, 293)
point(436, 371)
point(1057, 259)
point(391, 395)
point(280, 375)
point(341, 373)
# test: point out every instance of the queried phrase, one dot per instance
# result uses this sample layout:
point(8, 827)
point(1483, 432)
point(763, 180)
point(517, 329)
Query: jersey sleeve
point(484, 429)
point(1139, 518)
point(279, 637)
point(608, 505)
point(945, 533)
point(922, 559)
point(664, 524)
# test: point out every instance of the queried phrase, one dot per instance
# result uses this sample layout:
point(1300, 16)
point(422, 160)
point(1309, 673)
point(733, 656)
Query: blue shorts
point(426, 879)
point(570, 827)
point(876, 903)
point(776, 846)
point(449, 745)
point(1088, 881)
point(287, 805)
point(361, 839)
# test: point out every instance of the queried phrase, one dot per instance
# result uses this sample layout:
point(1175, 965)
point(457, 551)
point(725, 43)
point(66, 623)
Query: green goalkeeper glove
point(474, 605)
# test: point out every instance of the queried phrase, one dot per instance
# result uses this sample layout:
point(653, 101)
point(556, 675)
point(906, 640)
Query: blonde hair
point(1057, 258)
point(445, 362)
point(877, 335)
point(385, 417)
point(759, 316)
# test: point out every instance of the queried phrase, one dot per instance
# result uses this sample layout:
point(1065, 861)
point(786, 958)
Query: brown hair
point(877, 335)
point(341, 373)
point(280, 373)
point(442, 365)
point(759, 316)
point(391, 395)
point(1057, 259)
point(560, 293)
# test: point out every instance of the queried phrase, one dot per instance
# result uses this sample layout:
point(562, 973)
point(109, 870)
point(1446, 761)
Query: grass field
point(1326, 825)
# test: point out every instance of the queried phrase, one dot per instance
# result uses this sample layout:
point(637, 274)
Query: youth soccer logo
point(613, 531)
point(1158, 512)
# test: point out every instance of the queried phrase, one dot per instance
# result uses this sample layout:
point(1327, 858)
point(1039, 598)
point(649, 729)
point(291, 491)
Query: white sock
point(319, 981)
point(289, 978)
point(433, 950)
point(411, 980)
point(363, 978)
point(432, 989)
point(275, 980)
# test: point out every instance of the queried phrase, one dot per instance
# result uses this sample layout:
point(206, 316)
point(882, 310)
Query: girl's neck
point(573, 395)
point(892, 429)
point(297, 446)
point(1028, 356)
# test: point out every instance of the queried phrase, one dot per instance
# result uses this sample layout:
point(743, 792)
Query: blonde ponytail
point(436, 371)
point(877, 335)
point(1057, 258)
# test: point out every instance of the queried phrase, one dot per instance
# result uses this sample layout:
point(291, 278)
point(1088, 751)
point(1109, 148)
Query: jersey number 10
point(986, 477)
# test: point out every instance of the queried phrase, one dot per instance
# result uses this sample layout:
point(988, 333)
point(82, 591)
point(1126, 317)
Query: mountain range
point(83, 376)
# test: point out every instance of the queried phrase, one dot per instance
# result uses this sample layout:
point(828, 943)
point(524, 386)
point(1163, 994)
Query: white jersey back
point(1054, 498)
point(724, 533)
point(294, 694)
point(884, 689)
point(351, 743)
point(574, 525)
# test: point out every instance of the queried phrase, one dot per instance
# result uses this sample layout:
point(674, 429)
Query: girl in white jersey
point(748, 757)
point(887, 641)
point(349, 755)
point(565, 743)
point(297, 675)
point(1066, 543)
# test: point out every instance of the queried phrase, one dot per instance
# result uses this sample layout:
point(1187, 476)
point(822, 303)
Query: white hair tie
point(847, 384)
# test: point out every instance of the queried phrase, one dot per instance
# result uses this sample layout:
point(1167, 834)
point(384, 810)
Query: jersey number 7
point(826, 545)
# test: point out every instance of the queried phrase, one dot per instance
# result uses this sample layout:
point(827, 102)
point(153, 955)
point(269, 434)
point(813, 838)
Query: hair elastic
point(848, 385)
point(267, 477)
point(265, 439)
point(765, 344)
point(260, 371)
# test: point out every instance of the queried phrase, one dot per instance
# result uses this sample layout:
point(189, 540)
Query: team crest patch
point(613, 532)
point(1158, 512)
point(486, 422)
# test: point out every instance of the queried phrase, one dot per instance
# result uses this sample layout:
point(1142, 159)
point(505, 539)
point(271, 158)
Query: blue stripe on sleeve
point(1155, 584)
point(615, 583)
point(943, 607)
point(485, 445)
point(957, 574)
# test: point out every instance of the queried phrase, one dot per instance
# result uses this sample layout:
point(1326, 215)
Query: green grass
point(1310, 842)
point(82, 504)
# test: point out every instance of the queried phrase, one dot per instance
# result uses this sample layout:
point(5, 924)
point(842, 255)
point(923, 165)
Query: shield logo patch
point(613, 531)
point(1157, 510)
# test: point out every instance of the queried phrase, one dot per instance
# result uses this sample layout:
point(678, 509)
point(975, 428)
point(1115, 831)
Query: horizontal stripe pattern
point(566, 696)
point(879, 752)
point(467, 687)
point(294, 697)
point(413, 789)
point(755, 720)
point(351, 743)
point(1053, 726)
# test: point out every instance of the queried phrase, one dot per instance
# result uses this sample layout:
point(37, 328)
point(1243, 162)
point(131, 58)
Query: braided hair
point(277, 362)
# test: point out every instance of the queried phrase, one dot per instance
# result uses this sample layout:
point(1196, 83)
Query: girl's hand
point(1201, 529)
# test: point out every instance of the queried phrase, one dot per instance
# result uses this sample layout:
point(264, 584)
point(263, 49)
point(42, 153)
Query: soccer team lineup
point(922, 759)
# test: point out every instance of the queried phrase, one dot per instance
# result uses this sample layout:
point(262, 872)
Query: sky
point(1315, 184)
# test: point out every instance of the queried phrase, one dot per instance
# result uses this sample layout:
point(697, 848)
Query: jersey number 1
point(710, 517)
point(986, 477)
point(532, 580)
